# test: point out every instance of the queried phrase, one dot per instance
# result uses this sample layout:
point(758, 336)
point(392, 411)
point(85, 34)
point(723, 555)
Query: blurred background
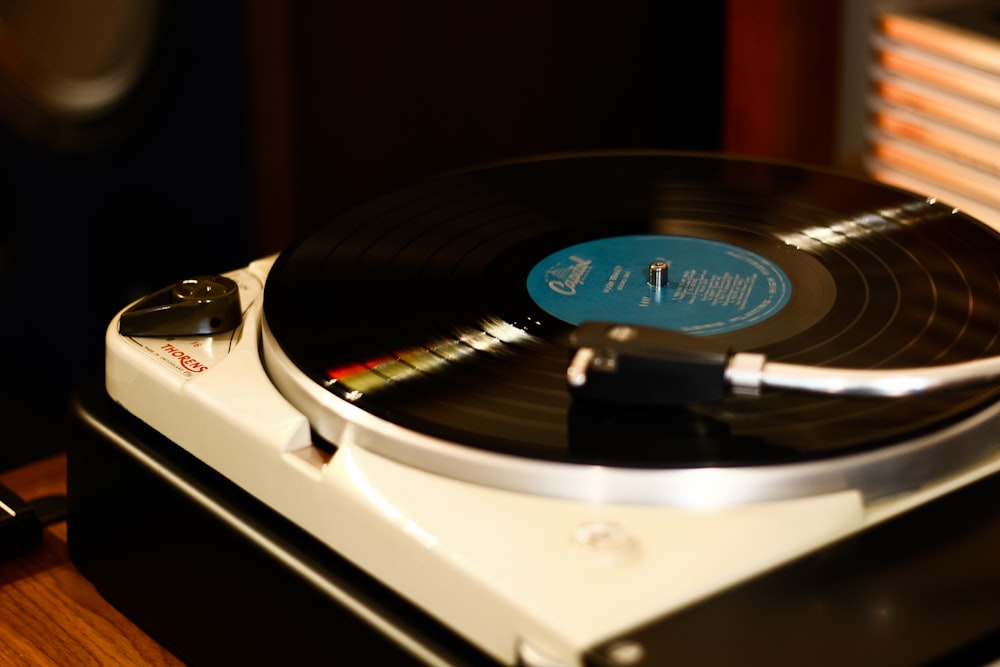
point(142, 142)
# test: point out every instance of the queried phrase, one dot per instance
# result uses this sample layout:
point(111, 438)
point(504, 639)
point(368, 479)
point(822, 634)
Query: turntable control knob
point(198, 306)
point(204, 288)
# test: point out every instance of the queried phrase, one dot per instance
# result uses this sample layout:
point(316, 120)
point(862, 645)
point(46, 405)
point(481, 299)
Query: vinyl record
point(445, 308)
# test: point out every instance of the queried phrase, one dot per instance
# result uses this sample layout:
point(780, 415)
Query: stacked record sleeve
point(934, 122)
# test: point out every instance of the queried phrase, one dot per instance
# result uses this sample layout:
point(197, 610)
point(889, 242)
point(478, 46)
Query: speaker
point(123, 167)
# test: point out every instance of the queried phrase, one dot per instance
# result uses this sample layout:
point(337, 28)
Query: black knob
point(198, 306)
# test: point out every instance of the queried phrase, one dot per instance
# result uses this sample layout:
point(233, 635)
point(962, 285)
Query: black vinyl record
point(438, 308)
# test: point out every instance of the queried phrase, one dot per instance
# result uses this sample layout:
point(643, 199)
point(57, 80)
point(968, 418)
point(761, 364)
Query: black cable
point(21, 522)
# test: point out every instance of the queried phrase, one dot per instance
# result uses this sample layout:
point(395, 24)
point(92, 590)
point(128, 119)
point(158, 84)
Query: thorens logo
point(184, 359)
point(563, 280)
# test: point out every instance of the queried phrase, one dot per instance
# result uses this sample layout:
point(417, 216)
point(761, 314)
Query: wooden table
point(49, 613)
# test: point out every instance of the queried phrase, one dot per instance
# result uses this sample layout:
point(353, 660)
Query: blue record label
point(710, 287)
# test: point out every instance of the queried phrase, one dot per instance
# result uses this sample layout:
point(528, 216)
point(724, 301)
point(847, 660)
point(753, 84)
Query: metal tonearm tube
point(646, 365)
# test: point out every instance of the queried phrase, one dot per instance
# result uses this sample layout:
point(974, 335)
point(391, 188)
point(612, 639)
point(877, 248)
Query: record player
point(607, 409)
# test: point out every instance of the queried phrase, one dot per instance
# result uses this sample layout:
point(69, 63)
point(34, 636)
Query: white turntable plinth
point(511, 571)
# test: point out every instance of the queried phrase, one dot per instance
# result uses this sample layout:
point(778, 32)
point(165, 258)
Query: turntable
point(606, 409)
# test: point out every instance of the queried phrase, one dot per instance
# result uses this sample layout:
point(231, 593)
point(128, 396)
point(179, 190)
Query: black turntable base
point(218, 578)
point(213, 574)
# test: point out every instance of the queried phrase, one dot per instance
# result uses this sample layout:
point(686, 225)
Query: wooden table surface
point(49, 613)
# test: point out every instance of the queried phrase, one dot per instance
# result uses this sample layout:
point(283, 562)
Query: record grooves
point(418, 307)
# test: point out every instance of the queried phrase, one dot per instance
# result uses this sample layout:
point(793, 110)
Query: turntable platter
point(432, 324)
